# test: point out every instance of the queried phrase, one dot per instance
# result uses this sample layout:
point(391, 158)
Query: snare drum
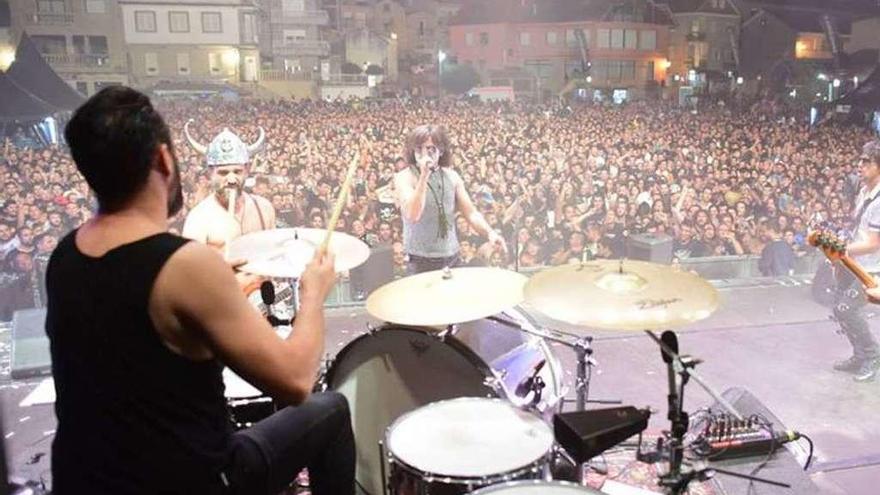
point(537, 488)
point(398, 369)
point(456, 446)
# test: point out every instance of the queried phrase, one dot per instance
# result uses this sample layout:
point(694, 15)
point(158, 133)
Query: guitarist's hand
point(873, 295)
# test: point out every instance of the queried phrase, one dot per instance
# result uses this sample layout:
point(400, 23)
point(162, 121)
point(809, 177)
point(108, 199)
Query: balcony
point(308, 48)
point(281, 75)
point(86, 62)
point(696, 36)
point(301, 18)
point(346, 80)
point(51, 19)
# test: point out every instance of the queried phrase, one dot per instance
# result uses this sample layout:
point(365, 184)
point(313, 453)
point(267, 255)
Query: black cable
point(768, 426)
point(810, 456)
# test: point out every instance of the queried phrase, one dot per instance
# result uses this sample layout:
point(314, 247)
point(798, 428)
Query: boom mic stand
point(676, 480)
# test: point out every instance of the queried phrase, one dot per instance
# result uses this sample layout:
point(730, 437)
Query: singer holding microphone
point(429, 193)
point(229, 212)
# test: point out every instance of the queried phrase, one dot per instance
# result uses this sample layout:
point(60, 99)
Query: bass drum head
point(393, 371)
point(537, 488)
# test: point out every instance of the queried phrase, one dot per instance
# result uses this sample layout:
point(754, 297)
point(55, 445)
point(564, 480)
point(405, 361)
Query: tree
point(374, 70)
point(351, 68)
point(458, 79)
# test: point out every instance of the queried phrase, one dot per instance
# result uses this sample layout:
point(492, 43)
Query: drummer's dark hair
point(422, 133)
point(113, 138)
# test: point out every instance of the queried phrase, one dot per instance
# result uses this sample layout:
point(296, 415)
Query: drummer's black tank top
point(133, 416)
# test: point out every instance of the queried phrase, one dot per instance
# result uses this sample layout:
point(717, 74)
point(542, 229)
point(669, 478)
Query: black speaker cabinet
point(650, 247)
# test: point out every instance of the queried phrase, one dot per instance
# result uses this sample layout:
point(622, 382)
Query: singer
point(230, 211)
point(429, 193)
point(850, 299)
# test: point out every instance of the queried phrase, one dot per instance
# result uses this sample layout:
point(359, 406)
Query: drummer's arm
point(206, 299)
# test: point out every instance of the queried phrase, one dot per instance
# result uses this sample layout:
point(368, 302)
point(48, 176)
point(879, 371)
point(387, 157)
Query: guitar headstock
point(833, 246)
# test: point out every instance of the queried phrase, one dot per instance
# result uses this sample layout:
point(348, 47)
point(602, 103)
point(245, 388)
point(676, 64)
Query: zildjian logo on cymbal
point(655, 303)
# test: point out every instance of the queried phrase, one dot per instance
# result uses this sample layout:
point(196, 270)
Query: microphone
point(531, 384)
point(267, 293)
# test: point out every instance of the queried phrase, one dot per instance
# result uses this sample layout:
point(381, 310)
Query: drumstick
point(340, 201)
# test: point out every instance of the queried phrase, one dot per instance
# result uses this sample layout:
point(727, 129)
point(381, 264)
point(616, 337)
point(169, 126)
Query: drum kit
point(456, 391)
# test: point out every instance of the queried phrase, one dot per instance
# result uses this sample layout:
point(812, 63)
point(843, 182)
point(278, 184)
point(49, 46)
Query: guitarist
point(850, 298)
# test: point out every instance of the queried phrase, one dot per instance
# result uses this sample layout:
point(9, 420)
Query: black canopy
point(31, 72)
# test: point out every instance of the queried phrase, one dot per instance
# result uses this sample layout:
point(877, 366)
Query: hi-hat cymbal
point(446, 297)
point(284, 253)
point(615, 295)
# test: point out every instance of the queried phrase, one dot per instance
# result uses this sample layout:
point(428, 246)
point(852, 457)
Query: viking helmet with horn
point(226, 148)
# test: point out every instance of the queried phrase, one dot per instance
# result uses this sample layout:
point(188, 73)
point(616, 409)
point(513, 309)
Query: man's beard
point(175, 193)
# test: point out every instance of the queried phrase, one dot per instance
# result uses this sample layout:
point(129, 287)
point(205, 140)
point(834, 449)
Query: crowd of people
point(559, 182)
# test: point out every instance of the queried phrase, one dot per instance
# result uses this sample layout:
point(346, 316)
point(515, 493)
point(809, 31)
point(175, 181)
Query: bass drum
point(396, 369)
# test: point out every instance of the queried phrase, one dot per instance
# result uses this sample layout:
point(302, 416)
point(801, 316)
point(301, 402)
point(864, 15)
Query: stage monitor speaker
point(656, 248)
point(30, 346)
point(377, 271)
point(783, 466)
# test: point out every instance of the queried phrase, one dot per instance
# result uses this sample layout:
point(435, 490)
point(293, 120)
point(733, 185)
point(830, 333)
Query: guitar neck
point(864, 277)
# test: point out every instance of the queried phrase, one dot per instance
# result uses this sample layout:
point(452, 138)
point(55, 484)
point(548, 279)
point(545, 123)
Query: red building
point(545, 45)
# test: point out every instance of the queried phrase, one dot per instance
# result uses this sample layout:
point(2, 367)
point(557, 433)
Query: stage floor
point(770, 339)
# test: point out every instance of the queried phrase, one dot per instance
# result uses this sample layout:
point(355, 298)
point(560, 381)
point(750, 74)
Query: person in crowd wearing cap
point(429, 192)
point(213, 221)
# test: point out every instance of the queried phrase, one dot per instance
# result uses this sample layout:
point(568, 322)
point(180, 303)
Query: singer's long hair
point(417, 138)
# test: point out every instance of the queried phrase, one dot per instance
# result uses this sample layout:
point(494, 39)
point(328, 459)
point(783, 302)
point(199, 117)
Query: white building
point(192, 40)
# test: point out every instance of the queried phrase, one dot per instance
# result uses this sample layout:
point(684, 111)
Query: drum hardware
point(583, 349)
point(680, 369)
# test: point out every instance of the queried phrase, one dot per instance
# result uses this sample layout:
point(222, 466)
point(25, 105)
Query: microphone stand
point(675, 480)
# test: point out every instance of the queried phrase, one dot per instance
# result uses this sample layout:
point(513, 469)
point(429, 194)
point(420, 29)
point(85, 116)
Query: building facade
point(81, 39)
point(705, 38)
point(194, 41)
point(293, 35)
point(609, 44)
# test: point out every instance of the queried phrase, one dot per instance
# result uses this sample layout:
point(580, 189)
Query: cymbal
point(446, 297)
point(627, 295)
point(284, 253)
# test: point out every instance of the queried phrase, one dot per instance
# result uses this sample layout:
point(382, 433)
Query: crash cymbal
point(446, 297)
point(284, 253)
point(627, 295)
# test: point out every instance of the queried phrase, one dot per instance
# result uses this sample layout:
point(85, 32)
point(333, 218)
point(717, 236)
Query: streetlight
point(441, 56)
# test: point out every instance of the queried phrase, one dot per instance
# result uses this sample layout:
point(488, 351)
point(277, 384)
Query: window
point(214, 62)
point(293, 35)
point(178, 22)
point(95, 6)
point(82, 87)
point(617, 38)
point(79, 44)
point(604, 38)
point(570, 37)
point(50, 45)
point(183, 63)
point(469, 39)
point(249, 28)
point(631, 39)
point(482, 64)
point(145, 21)
point(151, 63)
point(649, 73)
point(551, 38)
point(293, 5)
point(51, 7)
point(421, 28)
point(648, 40)
point(484, 39)
point(525, 39)
point(212, 22)
point(98, 45)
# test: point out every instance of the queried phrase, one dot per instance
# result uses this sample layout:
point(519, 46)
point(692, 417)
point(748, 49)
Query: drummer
point(213, 221)
point(429, 193)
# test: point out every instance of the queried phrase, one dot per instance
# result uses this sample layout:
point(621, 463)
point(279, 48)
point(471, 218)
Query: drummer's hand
point(247, 281)
point(497, 241)
point(318, 278)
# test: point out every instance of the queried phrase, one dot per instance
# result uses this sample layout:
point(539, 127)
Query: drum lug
point(494, 383)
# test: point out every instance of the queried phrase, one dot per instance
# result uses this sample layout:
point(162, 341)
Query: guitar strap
point(862, 209)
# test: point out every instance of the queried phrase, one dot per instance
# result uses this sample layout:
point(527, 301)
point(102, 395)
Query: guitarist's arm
point(867, 246)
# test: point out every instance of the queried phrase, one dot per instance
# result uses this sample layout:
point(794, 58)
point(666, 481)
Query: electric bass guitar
point(834, 249)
